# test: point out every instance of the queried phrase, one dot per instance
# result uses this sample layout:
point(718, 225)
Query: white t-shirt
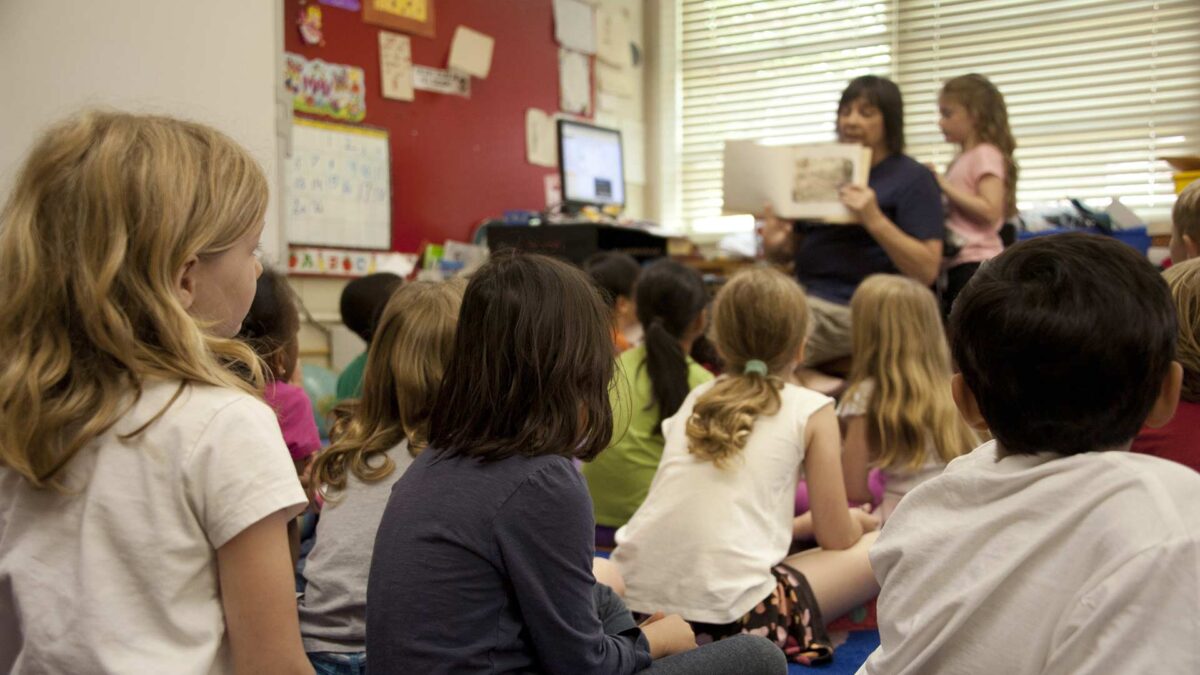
point(1042, 564)
point(119, 573)
point(703, 543)
point(899, 481)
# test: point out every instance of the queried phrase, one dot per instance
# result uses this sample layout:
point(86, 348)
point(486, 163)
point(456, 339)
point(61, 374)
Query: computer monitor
point(590, 165)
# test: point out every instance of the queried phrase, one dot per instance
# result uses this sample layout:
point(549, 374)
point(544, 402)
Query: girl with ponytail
point(650, 383)
point(711, 540)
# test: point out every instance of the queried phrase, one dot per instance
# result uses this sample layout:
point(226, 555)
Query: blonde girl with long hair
point(897, 413)
point(144, 486)
point(711, 540)
point(980, 183)
point(375, 439)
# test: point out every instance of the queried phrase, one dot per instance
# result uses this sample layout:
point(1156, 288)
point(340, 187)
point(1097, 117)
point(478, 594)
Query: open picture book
point(800, 182)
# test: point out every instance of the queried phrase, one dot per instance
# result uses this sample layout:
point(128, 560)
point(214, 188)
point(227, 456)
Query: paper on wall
point(614, 80)
point(441, 81)
point(395, 66)
point(471, 52)
point(574, 82)
point(575, 25)
point(613, 33)
point(541, 146)
point(621, 106)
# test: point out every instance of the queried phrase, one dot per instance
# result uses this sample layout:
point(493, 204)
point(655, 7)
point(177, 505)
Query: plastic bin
point(1184, 178)
point(1136, 237)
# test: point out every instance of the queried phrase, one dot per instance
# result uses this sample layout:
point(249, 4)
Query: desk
point(576, 241)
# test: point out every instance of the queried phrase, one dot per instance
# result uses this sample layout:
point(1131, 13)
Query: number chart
point(339, 190)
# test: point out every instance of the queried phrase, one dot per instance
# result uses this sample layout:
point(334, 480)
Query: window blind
point(1098, 91)
point(766, 69)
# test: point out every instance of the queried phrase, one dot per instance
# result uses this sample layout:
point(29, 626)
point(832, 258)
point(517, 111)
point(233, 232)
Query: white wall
point(213, 61)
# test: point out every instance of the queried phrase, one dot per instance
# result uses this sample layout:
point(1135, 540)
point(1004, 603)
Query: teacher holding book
point(899, 213)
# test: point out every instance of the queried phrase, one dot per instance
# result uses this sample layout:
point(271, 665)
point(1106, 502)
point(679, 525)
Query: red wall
point(455, 161)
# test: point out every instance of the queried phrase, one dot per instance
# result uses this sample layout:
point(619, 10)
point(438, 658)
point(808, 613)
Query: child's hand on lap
point(668, 635)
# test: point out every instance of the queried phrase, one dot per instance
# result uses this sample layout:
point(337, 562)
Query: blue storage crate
point(1136, 237)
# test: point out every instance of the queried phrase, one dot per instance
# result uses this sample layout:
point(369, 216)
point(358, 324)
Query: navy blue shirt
point(831, 260)
point(487, 568)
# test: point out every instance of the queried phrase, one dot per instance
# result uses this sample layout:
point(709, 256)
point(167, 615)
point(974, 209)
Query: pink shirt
point(981, 240)
point(295, 414)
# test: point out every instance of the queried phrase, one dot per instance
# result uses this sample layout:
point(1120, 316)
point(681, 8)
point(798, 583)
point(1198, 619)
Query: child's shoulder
point(802, 399)
point(175, 406)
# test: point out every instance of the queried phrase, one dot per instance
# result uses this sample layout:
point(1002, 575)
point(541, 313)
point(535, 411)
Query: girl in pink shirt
point(980, 183)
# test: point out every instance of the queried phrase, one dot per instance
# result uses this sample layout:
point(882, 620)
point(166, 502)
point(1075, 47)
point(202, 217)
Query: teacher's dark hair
point(884, 95)
point(531, 367)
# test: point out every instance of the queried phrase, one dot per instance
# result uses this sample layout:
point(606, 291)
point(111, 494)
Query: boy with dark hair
point(616, 274)
point(1051, 549)
point(361, 303)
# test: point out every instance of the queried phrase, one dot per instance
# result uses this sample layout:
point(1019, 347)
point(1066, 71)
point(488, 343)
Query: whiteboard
point(338, 186)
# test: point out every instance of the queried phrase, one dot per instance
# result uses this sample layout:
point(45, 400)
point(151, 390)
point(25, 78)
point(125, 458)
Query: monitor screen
point(589, 160)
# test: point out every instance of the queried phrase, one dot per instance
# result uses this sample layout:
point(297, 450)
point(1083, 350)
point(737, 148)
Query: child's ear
point(968, 407)
point(1190, 245)
point(623, 307)
point(701, 320)
point(800, 352)
point(1168, 397)
point(185, 283)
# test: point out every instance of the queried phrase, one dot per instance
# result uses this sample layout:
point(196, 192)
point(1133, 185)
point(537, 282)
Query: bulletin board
point(338, 186)
point(454, 161)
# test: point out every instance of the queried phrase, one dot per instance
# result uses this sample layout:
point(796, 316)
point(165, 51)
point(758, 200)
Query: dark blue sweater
point(487, 568)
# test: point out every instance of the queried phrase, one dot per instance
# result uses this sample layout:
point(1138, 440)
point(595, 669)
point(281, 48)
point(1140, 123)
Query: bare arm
point(985, 207)
point(778, 237)
point(915, 258)
point(832, 524)
point(856, 459)
point(258, 595)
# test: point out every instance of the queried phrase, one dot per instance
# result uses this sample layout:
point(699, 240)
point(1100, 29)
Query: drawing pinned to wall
point(395, 66)
point(574, 83)
point(338, 188)
point(575, 25)
point(471, 52)
point(352, 5)
point(541, 138)
point(321, 88)
point(613, 36)
point(409, 16)
point(441, 81)
point(309, 23)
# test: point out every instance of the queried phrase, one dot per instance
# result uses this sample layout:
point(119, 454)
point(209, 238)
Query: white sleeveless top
point(703, 543)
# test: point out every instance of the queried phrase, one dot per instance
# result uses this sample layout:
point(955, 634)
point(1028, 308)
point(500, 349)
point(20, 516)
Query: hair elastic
point(755, 366)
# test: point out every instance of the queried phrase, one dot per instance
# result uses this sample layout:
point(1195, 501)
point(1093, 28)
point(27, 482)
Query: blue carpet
point(847, 658)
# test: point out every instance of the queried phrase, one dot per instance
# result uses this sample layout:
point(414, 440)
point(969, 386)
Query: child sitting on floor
point(144, 487)
point(361, 302)
point(272, 330)
point(375, 440)
point(1179, 439)
point(483, 559)
point(616, 274)
point(1050, 549)
point(650, 383)
point(897, 413)
point(711, 540)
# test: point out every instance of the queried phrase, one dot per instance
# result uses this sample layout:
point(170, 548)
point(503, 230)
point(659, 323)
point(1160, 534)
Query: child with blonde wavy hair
point(980, 184)
point(897, 413)
point(144, 486)
point(375, 440)
point(711, 540)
